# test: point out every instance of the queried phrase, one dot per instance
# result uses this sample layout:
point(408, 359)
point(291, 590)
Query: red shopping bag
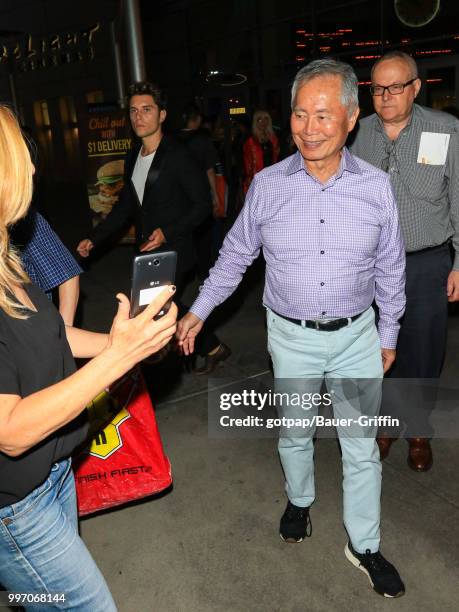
point(125, 460)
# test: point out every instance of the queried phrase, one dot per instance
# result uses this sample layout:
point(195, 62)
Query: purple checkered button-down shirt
point(330, 249)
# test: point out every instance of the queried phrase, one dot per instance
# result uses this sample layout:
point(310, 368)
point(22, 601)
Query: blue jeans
point(352, 352)
point(41, 551)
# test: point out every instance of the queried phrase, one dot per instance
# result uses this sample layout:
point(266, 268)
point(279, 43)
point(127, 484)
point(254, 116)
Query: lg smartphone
point(151, 272)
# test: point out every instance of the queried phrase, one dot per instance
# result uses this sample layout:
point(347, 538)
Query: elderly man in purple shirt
point(328, 225)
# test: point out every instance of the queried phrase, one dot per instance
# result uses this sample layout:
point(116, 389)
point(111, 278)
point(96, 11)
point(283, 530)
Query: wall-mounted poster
point(108, 138)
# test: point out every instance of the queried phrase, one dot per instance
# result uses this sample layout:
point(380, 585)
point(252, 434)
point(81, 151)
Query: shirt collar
point(348, 163)
point(295, 164)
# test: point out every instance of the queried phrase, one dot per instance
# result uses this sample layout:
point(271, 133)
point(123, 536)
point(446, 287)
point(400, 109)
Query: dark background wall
point(221, 53)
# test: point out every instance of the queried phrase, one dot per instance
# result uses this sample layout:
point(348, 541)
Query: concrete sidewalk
point(212, 543)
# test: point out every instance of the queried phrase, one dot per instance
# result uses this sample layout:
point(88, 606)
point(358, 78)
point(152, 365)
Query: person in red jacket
point(261, 149)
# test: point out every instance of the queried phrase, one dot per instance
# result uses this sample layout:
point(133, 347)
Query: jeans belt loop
point(317, 323)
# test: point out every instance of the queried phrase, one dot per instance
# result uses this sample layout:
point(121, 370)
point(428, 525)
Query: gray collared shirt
point(427, 195)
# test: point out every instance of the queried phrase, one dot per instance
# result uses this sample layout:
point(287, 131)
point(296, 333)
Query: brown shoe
point(211, 361)
point(420, 454)
point(384, 446)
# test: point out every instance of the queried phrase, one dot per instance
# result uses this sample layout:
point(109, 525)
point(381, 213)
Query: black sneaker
point(382, 575)
point(295, 524)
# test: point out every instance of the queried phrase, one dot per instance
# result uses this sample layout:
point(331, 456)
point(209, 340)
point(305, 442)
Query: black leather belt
point(326, 326)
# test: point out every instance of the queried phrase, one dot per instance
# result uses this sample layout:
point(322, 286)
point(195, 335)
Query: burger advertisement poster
point(108, 139)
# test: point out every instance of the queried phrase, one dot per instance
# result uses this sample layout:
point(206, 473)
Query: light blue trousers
point(42, 553)
point(353, 352)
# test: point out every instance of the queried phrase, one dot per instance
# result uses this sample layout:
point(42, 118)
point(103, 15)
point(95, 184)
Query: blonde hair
point(16, 172)
point(262, 135)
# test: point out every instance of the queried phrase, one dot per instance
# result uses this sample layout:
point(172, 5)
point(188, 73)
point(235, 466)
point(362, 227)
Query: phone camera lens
point(156, 262)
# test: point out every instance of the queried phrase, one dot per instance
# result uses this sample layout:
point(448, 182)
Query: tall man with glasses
point(419, 149)
point(328, 225)
point(165, 193)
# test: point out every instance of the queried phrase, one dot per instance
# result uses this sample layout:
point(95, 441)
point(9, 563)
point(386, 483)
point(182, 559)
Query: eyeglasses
point(395, 89)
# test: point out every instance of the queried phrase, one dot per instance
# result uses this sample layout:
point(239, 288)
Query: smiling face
point(394, 108)
point(320, 124)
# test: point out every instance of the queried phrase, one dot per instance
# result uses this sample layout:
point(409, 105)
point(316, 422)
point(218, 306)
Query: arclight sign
point(33, 53)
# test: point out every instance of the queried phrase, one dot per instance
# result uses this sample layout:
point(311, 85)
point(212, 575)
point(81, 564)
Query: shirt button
point(322, 284)
point(322, 220)
point(322, 252)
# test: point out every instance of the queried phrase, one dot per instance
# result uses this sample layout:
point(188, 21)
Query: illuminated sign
point(54, 50)
point(237, 110)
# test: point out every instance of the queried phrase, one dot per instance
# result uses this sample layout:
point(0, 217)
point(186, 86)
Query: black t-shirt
point(34, 354)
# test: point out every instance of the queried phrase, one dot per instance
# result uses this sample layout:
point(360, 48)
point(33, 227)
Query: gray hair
point(398, 55)
point(330, 67)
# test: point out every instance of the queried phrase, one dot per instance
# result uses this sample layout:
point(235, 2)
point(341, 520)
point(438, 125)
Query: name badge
point(433, 148)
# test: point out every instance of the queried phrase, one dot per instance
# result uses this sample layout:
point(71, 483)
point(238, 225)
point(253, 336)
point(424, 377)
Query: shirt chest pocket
point(428, 181)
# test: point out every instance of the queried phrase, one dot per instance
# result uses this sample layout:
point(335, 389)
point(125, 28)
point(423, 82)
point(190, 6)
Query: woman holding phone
point(42, 397)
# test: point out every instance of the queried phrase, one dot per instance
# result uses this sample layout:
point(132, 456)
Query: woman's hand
point(135, 339)
point(26, 421)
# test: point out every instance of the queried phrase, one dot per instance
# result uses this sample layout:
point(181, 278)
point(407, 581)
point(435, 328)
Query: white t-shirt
point(140, 173)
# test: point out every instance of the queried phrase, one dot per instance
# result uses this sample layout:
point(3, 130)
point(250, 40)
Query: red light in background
point(434, 52)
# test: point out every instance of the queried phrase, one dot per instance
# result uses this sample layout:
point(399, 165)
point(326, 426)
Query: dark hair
point(191, 111)
point(145, 88)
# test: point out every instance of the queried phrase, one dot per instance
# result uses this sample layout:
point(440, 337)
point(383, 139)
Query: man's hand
point(187, 330)
point(155, 240)
point(388, 358)
point(452, 287)
point(84, 247)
